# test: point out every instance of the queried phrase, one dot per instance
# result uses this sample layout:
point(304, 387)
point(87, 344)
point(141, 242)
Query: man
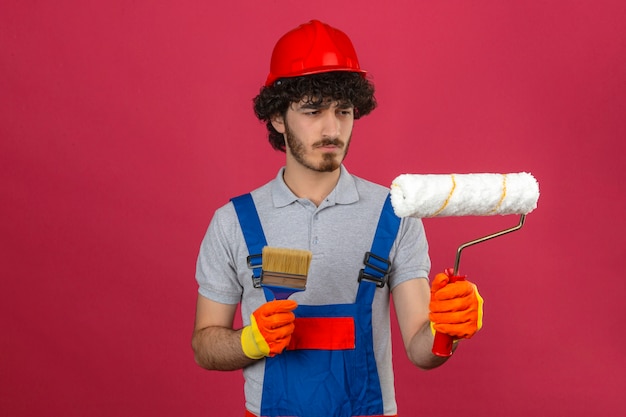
point(327, 350)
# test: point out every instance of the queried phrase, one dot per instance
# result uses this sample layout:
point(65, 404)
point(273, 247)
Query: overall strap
point(376, 271)
point(252, 233)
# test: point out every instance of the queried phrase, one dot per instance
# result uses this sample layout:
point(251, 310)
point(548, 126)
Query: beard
point(329, 161)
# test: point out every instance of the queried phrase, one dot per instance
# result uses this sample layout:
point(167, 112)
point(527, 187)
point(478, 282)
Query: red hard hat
point(312, 48)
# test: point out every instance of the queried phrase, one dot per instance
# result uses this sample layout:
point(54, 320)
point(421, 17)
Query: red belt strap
point(323, 333)
point(249, 414)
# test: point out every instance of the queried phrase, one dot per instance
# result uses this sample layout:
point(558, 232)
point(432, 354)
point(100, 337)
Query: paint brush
point(284, 271)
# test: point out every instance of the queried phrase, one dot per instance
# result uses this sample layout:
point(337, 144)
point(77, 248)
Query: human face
point(318, 135)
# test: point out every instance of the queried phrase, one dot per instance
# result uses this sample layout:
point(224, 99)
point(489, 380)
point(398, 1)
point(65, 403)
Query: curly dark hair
point(340, 86)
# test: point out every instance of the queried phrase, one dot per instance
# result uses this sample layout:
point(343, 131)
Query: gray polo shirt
point(338, 233)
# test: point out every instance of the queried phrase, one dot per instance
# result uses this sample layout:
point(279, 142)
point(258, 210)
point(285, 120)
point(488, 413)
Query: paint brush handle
point(280, 285)
point(274, 292)
point(442, 346)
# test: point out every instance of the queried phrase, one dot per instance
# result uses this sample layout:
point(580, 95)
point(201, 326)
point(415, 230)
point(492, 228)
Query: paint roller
point(439, 195)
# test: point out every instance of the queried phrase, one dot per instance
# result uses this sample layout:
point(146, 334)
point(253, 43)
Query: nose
point(331, 126)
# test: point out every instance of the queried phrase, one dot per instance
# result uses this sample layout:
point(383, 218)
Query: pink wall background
point(124, 125)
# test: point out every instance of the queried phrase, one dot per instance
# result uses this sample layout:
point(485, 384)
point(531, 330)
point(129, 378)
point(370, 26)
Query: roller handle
point(442, 345)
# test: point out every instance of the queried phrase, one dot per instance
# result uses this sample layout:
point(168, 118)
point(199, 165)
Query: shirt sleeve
point(216, 270)
point(409, 255)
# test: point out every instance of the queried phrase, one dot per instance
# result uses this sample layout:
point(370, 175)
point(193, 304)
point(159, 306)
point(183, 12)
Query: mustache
point(329, 142)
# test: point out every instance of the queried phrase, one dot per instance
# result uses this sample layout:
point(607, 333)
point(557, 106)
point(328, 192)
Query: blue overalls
point(329, 368)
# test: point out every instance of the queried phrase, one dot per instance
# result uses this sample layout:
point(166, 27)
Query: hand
point(456, 308)
point(270, 329)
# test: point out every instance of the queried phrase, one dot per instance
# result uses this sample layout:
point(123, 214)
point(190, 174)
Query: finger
point(278, 320)
point(455, 304)
point(455, 290)
point(455, 317)
point(280, 332)
point(277, 306)
point(440, 281)
point(278, 346)
point(284, 305)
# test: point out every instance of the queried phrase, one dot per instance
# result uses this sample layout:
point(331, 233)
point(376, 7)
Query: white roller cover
point(438, 195)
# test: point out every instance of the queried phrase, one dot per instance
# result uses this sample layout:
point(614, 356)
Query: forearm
point(219, 348)
point(419, 349)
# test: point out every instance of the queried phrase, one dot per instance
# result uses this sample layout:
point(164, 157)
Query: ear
point(279, 123)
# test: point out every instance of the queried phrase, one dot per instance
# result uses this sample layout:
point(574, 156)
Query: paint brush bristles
point(285, 267)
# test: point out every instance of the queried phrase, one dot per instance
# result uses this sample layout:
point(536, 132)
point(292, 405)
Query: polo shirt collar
point(345, 192)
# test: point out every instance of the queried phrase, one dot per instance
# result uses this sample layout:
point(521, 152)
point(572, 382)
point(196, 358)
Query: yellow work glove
point(270, 329)
point(456, 307)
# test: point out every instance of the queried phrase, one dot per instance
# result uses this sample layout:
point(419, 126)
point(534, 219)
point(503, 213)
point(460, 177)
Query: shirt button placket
point(314, 237)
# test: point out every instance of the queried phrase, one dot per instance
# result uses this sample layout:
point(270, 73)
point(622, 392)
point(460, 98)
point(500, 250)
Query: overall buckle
point(255, 262)
point(379, 273)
